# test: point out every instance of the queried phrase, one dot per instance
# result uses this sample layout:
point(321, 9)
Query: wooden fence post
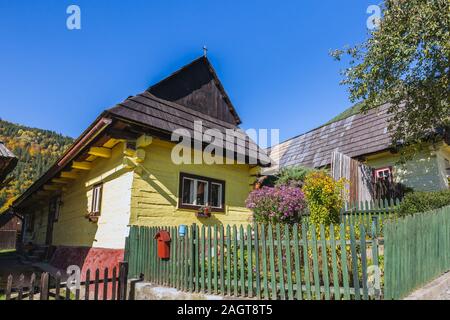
point(87, 284)
point(123, 279)
point(44, 286)
point(20, 287)
point(32, 284)
point(58, 285)
point(9, 287)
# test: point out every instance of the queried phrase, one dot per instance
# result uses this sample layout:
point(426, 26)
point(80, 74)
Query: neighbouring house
point(10, 230)
point(8, 162)
point(120, 172)
point(10, 223)
point(364, 139)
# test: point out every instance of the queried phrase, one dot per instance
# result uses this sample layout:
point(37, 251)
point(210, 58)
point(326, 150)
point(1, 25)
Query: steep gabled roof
point(146, 113)
point(164, 116)
point(197, 86)
point(8, 161)
point(359, 134)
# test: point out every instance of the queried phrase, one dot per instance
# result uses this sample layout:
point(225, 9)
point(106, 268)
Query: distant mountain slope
point(36, 149)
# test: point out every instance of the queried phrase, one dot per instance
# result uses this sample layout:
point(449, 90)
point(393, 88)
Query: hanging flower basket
point(204, 212)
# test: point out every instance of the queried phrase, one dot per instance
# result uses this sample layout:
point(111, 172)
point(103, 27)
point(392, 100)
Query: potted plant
point(204, 212)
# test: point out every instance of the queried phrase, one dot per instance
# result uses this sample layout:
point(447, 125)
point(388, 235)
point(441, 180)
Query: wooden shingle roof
point(193, 93)
point(149, 114)
point(165, 116)
point(197, 86)
point(357, 135)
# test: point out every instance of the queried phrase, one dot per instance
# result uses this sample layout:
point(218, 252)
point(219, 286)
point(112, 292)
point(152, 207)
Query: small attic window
point(96, 199)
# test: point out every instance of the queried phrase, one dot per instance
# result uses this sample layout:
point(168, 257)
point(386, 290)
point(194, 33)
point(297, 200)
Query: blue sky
point(271, 56)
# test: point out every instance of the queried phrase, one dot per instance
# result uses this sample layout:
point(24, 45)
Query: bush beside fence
point(262, 261)
point(417, 250)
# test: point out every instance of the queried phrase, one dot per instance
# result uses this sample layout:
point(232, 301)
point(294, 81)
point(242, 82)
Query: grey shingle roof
point(168, 116)
point(4, 151)
point(7, 161)
point(356, 135)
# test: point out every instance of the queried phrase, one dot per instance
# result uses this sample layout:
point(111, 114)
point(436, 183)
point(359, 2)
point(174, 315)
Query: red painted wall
point(88, 258)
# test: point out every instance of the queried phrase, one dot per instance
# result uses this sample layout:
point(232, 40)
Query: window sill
point(196, 208)
point(92, 217)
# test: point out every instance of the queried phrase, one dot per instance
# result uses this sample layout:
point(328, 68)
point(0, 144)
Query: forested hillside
point(36, 149)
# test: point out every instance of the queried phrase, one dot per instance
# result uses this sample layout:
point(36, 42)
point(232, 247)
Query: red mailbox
point(163, 238)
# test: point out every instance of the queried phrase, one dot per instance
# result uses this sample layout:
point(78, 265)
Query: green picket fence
point(367, 213)
point(262, 261)
point(417, 250)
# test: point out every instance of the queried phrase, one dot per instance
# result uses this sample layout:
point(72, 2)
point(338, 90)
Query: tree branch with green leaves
point(405, 62)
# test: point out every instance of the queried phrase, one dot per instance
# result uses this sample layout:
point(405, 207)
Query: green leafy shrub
point(422, 201)
point(294, 176)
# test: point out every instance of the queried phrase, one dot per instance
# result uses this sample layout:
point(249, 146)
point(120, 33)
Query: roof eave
point(77, 146)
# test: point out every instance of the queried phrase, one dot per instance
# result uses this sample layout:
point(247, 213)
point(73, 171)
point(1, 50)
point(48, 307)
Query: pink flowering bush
point(280, 204)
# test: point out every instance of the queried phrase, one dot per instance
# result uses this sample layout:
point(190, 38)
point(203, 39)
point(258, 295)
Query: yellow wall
point(72, 228)
point(155, 190)
point(132, 195)
point(109, 232)
point(425, 172)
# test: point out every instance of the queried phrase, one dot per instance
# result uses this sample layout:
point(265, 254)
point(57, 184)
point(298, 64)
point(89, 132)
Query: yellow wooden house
point(120, 172)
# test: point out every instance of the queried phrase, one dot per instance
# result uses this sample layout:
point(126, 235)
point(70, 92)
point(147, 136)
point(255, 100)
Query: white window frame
point(205, 195)
point(220, 194)
point(96, 204)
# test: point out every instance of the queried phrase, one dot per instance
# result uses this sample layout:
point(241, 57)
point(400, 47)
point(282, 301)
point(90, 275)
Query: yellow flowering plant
point(324, 197)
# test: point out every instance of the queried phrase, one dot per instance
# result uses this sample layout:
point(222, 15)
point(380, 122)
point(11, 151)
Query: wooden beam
point(140, 155)
point(144, 141)
point(42, 193)
point(82, 165)
point(60, 181)
point(69, 175)
point(128, 163)
point(122, 134)
point(100, 152)
point(111, 143)
point(129, 152)
point(52, 187)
